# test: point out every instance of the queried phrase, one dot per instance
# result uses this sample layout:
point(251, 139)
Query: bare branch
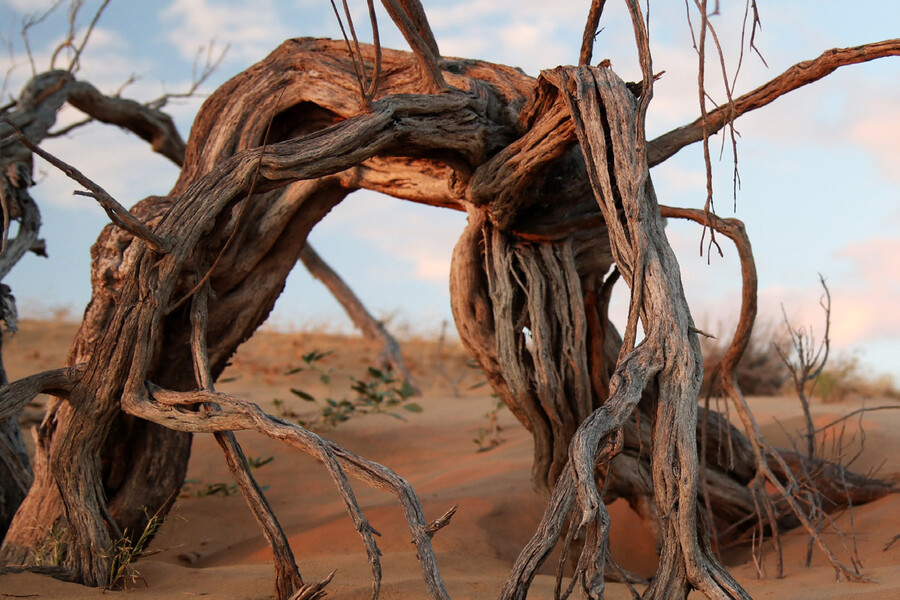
point(117, 213)
point(147, 122)
point(30, 21)
point(15, 395)
point(221, 412)
point(73, 63)
point(590, 32)
point(409, 16)
point(664, 146)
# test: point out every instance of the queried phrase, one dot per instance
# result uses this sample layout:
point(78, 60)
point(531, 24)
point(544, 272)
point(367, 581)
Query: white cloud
point(29, 6)
point(419, 239)
point(251, 30)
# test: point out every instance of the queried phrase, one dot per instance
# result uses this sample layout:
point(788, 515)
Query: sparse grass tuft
point(126, 551)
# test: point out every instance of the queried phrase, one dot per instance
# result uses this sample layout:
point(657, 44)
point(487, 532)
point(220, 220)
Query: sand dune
point(210, 546)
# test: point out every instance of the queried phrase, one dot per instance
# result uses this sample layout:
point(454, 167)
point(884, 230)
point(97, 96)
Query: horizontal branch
point(151, 125)
point(666, 145)
point(58, 382)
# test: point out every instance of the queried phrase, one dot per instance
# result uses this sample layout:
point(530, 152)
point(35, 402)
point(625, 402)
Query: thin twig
point(73, 64)
point(117, 213)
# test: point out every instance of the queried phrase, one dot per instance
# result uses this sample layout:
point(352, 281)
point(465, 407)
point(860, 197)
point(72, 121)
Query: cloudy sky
point(820, 168)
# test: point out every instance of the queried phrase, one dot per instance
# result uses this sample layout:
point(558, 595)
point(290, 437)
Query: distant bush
point(844, 377)
point(761, 372)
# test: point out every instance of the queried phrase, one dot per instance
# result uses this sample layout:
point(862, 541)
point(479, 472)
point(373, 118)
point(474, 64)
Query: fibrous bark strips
point(554, 177)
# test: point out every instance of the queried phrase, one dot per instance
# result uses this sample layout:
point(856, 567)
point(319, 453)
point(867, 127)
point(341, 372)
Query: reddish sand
point(210, 546)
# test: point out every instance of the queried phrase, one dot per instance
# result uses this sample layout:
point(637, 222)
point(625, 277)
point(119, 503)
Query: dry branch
point(590, 31)
point(218, 412)
point(664, 146)
point(117, 213)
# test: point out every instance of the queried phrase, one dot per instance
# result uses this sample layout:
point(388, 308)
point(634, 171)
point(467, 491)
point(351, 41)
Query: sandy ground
point(211, 547)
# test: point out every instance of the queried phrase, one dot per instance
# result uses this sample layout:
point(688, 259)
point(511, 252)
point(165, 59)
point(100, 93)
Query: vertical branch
point(376, 40)
point(590, 31)
point(287, 576)
point(409, 16)
point(73, 64)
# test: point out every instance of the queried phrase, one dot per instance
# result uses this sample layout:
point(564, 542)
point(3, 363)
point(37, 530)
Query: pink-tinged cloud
point(879, 133)
point(864, 296)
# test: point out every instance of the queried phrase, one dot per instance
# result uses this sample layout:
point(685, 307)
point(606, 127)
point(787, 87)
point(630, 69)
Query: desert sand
point(210, 546)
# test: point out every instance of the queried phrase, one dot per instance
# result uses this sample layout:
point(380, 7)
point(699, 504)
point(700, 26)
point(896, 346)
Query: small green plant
point(194, 488)
point(488, 437)
point(381, 392)
point(126, 551)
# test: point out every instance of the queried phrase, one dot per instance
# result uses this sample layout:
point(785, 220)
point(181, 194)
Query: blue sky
point(820, 168)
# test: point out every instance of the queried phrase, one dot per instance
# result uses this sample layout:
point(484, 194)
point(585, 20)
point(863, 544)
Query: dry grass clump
point(762, 371)
point(845, 378)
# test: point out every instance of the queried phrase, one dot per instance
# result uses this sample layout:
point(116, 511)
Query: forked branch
point(117, 213)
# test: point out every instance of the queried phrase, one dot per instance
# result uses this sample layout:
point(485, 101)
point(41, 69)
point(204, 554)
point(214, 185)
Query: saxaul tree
point(554, 175)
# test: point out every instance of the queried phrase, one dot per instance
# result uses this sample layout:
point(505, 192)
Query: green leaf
point(303, 395)
point(406, 390)
point(412, 407)
point(325, 378)
point(295, 370)
point(376, 373)
point(331, 402)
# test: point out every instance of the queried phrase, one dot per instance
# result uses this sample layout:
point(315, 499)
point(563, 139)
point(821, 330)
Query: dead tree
point(554, 176)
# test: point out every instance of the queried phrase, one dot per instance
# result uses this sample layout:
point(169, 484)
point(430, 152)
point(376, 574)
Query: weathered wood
point(547, 219)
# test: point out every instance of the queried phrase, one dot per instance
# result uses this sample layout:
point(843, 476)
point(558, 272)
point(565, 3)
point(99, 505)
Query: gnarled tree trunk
point(554, 176)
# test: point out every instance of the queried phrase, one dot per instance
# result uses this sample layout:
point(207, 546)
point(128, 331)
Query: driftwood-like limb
point(410, 18)
point(391, 357)
point(221, 412)
point(604, 112)
point(772, 467)
point(59, 382)
point(507, 181)
point(148, 123)
point(287, 575)
point(664, 146)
